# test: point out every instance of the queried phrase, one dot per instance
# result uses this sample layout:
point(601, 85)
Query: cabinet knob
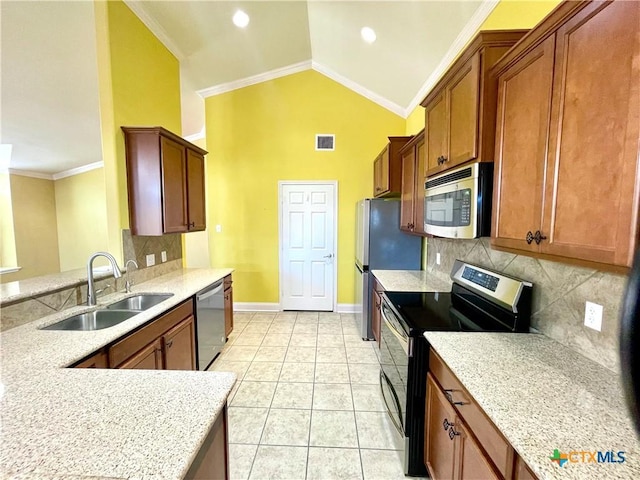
point(445, 159)
point(452, 433)
point(169, 343)
point(192, 224)
point(529, 237)
point(538, 237)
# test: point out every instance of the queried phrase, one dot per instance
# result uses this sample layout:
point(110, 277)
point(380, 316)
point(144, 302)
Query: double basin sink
point(110, 315)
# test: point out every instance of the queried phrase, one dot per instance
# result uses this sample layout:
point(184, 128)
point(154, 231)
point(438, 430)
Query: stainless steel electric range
point(481, 300)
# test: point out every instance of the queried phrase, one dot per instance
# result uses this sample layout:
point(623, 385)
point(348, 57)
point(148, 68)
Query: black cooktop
point(451, 312)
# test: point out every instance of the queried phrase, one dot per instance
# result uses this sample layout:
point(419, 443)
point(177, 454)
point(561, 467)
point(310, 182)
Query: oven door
point(450, 209)
point(394, 351)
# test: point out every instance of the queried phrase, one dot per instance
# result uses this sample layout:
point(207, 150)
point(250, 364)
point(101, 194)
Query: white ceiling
point(49, 83)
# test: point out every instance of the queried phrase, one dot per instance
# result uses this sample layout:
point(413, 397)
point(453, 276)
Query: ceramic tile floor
point(307, 403)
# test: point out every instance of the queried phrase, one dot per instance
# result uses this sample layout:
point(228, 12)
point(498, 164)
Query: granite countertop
point(411, 281)
point(544, 396)
point(104, 423)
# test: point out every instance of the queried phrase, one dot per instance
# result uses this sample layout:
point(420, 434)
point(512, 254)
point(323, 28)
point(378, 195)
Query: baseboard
point(346, 308)
point(255, 307)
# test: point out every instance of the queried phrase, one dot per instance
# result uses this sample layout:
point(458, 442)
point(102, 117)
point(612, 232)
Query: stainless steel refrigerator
point(381, 245)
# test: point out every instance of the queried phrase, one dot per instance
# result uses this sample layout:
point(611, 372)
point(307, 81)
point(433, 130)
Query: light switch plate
point(218, 228)
point(437, 258)
point(151, 259)
point(593, 316)
point(163, 256)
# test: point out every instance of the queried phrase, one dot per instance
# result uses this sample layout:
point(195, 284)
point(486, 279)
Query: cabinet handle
point(529, 237)
point(446, 424)
point(444, 159)
point(452, 433)
point(539, 237)
point(440, 160)
point(191, 224)
point(447, 394)
point(169, 343)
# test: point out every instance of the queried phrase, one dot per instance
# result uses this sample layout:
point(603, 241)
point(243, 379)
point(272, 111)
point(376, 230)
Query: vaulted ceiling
point(52, 118)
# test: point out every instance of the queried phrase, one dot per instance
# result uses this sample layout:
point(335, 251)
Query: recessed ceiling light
point(240, 19)
point(368, 35)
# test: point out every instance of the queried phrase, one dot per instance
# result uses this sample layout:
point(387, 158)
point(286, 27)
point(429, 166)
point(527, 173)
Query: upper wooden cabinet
point(566, 177)
point(460, 111)
point(165, 179)
point(412, 195)
point(387, 169)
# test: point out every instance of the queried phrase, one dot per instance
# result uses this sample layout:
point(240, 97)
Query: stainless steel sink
point(96, 320)
point(140, 302)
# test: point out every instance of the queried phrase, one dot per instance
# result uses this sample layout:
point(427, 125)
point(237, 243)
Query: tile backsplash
point(137, 247)
point(559, 295)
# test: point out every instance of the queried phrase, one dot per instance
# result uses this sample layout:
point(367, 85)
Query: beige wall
point(81, 217)
point(34, 219)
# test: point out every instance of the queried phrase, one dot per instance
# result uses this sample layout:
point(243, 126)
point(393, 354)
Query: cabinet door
point(149, 358)
point(228, 311)
point(590, 197)
point(377, 177)
point(436, 132)
point(407, 194)
point(524, 102)
point(174, 186)
point(462, 121)
point(195, 189)
point(473, 463)
point(440, 454)
point(179, 345)
point(418, 191)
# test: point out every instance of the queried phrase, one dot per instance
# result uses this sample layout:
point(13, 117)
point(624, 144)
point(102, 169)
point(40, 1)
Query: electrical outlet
point(593, 316)
point(163, 256)
point(151, 259)
point(437, 258)
point(218, 228)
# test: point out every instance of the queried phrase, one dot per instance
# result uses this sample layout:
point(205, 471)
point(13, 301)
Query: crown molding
point(161, 34)
point(29, 173)
point(467, 33)
point(78, 170)
point(254, 79)
point(356, 87)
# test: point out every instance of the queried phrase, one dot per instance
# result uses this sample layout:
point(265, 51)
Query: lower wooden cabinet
point(149, 358)
point(228, 305)
point(212, 461)
point(98, 359)
point(167, 342)
point(178, 346)
point(460, 441)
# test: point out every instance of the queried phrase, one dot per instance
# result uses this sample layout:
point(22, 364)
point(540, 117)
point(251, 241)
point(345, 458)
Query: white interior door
point(307, 246)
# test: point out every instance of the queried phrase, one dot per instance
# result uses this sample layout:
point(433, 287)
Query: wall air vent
point(325, 141)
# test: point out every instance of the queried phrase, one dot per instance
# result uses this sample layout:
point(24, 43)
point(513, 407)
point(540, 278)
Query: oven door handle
point(404, 342)
point(383, 378)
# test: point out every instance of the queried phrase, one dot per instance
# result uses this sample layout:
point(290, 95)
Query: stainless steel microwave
point(457, 203)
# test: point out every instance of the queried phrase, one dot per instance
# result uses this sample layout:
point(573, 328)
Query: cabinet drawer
point(129, 345)
point(496, 446)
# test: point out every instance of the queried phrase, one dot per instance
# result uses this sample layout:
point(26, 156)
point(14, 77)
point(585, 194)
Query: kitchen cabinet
point(178, 346)
point(387, 169)
point(212, 461)
point(566, 178)
point(412, 195)
point(460, 440)
point(167, 342)
point(165, 181)
point(228, 305)
point(98, 359)
point(460, 110)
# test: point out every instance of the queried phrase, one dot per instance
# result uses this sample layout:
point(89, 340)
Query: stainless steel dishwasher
point(210, 334)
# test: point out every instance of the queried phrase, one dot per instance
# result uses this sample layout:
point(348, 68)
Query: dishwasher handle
point(211, 292)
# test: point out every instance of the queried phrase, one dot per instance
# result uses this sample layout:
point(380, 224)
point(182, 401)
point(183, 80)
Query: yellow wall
point(81, 217)
point(264, 133)
point(508, 14)
point(7, 236)
point(34, 219)
point(139, 86)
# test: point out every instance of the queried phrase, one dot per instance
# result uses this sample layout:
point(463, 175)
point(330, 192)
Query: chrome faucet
point(128, 284)
point(91, 291)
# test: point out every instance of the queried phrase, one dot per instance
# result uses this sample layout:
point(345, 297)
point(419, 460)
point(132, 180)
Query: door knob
point(328, 256)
